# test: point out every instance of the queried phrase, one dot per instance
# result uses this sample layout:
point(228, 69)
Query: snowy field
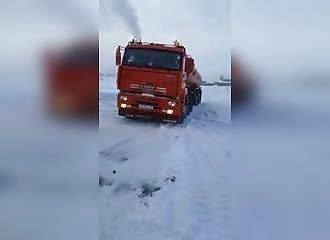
point(159, 181)
point(281, 164)
point(48, 168)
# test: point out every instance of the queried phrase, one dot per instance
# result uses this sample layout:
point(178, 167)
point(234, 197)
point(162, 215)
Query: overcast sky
point(27, 26)
point(282, 36)
point(275, 36)
point(203, 27)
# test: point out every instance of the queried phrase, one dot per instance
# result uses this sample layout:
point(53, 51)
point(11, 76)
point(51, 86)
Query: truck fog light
point(123, 98)
point(123, 105)
point(169, 111)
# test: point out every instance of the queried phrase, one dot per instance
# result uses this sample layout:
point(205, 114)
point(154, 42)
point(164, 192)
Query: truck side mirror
point(189, 66)
point(118, 56)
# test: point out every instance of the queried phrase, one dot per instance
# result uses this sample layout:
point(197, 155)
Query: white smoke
point(126, 11)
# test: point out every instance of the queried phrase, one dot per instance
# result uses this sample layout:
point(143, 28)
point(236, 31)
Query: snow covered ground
point(281, 165)
point(159, 181)
point(261, 174)
point(48, 168)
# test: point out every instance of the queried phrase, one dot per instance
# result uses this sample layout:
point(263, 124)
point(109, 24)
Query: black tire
point(190, 102)
point(191, 108)
point(180, 120)
point(130, 118)
point(198, 96)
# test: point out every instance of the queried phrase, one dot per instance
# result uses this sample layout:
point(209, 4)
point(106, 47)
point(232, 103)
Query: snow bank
point(48, 169)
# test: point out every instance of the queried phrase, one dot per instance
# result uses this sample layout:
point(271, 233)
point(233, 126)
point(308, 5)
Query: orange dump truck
point(72, 79)
point(158, 81)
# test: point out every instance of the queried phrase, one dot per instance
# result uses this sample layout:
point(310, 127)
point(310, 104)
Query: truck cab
point(71, 75)
point(152, 81)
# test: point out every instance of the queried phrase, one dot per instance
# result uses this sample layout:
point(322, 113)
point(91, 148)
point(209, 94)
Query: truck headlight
point(123, 98)
point(169, 111)
point(171, 103)
point(123, 105)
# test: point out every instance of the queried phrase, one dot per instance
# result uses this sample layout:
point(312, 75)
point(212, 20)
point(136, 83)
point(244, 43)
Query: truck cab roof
point(158, 46)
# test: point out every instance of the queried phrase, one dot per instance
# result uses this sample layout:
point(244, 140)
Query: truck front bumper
point(72, 104)
point(147, 106)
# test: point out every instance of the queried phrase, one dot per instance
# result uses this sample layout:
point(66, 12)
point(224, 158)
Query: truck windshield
point(151, 58)
point(82, 55)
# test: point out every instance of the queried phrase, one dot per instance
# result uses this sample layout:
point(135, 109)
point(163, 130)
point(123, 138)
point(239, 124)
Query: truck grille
point(149, 88)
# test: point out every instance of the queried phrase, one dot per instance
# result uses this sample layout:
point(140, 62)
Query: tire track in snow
point(208, 200)
point(152, 166)
point(194, 207)
point(165, 212)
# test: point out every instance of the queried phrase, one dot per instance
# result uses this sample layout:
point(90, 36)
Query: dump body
point(152, 81)
point(194, 79)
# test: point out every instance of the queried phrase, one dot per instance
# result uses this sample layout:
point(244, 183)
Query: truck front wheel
point(197, 96)
point(180, 119)
point(190, 102)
